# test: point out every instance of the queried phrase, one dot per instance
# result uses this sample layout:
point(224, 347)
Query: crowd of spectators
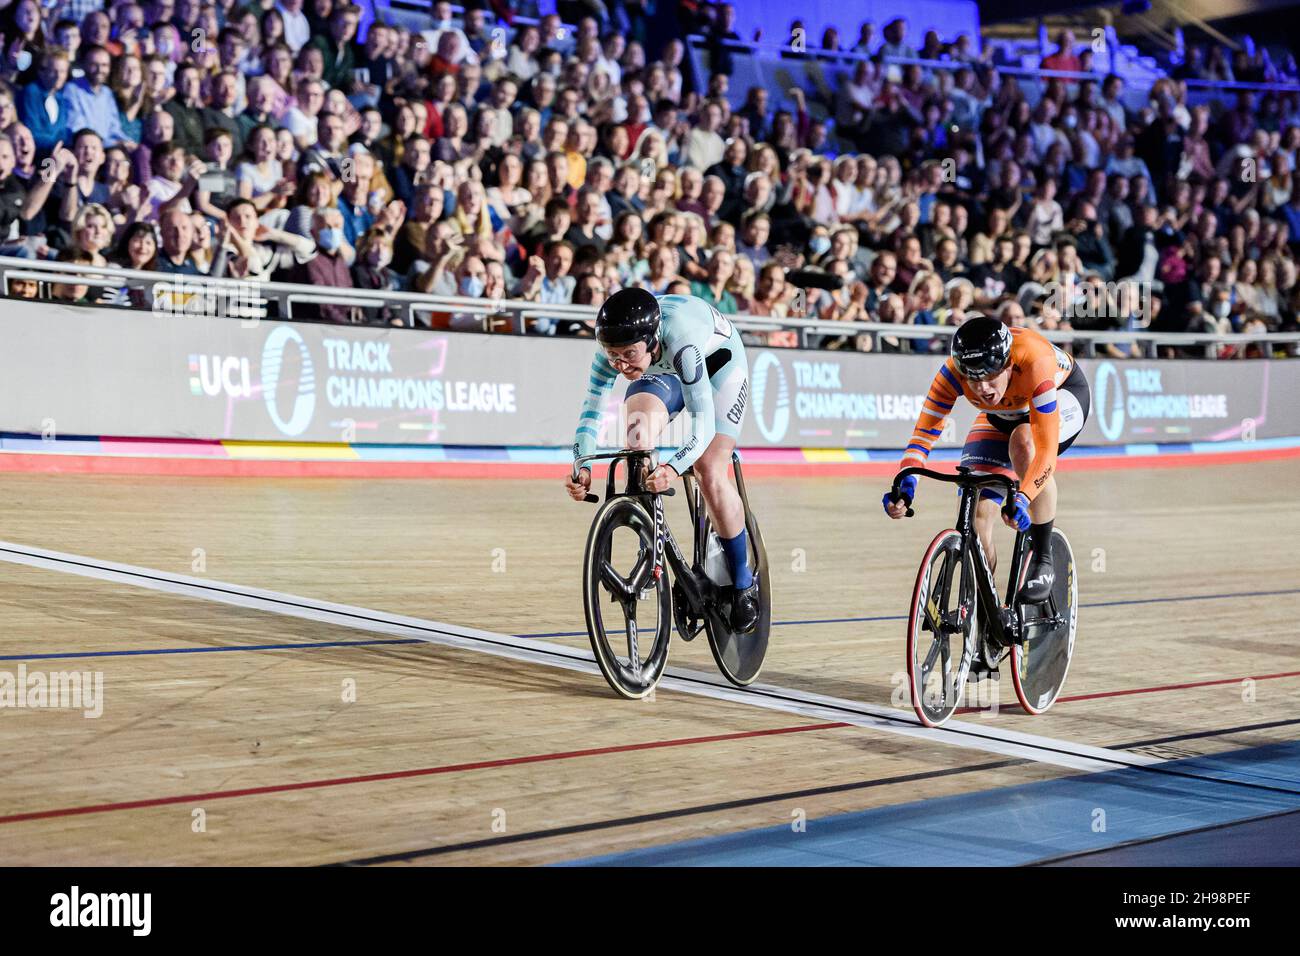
point(555, 165)
point(1245, 63)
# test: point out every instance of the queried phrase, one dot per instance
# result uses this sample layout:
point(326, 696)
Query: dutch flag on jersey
point(1045, 398)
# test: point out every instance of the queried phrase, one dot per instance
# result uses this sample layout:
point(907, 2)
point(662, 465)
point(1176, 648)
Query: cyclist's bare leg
point(987, 517)
point(727, 511)
point(646, 417)
point(1043, 507)
point(713, 471)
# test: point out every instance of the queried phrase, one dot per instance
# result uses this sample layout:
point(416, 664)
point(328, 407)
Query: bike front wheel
point(628, 606)
point(941, 629)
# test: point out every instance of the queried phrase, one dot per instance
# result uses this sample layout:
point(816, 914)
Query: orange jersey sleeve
point(939, 401)
point(1044, 421)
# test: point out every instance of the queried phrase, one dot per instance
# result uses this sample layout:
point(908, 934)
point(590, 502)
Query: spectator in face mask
point(481, 278)
point(326, 269)
point(470, 279)
point(819, 246)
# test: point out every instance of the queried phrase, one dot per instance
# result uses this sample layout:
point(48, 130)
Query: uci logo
point(765, 366)
point(273, 368)
point(1109, 402)
point(214, 375)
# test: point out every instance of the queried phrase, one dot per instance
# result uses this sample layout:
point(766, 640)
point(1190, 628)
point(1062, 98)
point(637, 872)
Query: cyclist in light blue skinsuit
point(679, 353)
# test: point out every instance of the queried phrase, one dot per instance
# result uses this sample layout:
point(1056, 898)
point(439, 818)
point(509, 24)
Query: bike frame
point(1008, 625)
point(1005, 628)
point(640, 463)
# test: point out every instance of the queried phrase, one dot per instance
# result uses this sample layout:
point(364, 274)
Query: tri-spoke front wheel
point(628, 606)
point(941, 629)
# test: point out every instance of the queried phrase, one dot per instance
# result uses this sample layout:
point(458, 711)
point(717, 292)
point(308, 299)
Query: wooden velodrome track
point(344, 739)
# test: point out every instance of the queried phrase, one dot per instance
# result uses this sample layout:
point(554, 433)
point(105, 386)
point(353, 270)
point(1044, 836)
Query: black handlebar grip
point(593, 499)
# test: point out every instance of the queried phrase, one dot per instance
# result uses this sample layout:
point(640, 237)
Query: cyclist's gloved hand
point(1016, 512)
point(578, 489)
point(907, 487)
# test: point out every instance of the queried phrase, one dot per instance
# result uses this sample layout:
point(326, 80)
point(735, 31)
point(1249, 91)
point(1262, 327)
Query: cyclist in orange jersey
point(1033, 401)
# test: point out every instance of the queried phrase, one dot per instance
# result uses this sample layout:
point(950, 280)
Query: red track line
point(43, 463)
point(539, 758)
point(403, 774)
point(1156, 690)
point(1144, 690)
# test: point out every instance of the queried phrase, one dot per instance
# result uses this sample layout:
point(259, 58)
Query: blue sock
point(737, 549)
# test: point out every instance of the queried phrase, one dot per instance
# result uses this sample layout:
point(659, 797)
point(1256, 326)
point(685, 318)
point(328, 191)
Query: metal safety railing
point(1031, 78)
point(252, 301)
point(809, 52)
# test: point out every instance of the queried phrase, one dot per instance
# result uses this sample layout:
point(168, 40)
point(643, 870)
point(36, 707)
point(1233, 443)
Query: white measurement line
point(963, 734)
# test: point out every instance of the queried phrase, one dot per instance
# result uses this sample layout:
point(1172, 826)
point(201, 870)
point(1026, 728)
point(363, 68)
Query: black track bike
point(956, 612)
point(630, 605)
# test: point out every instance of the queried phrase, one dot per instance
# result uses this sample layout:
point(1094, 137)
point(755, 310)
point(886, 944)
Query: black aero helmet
point(981, 347)
point(628, 316)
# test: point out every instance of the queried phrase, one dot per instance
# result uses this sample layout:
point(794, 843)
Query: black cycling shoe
point(1038, 584)
point(744, 609)
point(980, 668)
point(981, 671)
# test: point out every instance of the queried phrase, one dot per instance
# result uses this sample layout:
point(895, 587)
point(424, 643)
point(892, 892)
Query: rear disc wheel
point(740, 656)
point(1040, 664)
